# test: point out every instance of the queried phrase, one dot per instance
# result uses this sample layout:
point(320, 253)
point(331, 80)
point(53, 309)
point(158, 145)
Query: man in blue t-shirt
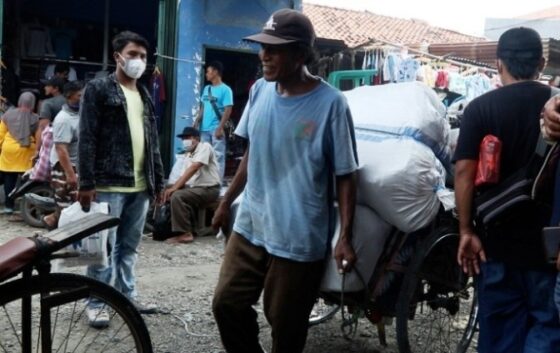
point(215, 109)
point(301, 149)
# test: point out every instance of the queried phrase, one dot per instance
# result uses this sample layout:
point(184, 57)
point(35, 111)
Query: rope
point(185, 325)
point(349, 326)
point(198, 62)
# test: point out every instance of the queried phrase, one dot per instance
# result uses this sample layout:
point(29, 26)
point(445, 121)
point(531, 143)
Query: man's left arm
point(346, 190)
point(227, 103)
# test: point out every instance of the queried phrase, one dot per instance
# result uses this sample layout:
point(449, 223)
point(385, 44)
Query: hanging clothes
point(408, 69)
point(476, 86)
point(157, 90)
point(442, 79)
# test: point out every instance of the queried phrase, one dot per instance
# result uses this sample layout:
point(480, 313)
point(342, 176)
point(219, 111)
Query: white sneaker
point(97, 317)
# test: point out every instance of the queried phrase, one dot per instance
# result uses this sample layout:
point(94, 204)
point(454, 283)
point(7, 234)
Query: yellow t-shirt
point(135, 115)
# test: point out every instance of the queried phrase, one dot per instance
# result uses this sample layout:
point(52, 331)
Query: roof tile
point(356, 28)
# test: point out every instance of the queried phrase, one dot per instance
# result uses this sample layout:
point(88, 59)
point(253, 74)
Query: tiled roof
point(552, 13)
point(356, 28)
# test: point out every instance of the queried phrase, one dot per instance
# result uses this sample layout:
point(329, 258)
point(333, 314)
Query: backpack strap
point(213, 103)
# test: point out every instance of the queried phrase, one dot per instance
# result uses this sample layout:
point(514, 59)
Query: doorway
point(241, 70)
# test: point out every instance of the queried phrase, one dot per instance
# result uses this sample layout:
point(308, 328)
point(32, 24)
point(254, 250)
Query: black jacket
point(105, 145)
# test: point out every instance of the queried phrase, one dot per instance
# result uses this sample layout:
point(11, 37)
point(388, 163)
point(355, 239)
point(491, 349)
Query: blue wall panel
point(218, 24)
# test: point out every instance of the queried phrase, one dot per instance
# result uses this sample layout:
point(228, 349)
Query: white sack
point(370, 234)
point(182, 162)
point(403, 109)
point(401, 180)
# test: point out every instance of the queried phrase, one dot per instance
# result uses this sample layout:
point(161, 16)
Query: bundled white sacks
point(369, 236)
point(403, 147)
point(402, 180)
point(403, 109)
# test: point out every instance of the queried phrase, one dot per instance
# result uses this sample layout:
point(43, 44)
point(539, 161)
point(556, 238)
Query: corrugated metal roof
point(485, 52)
point(550, 13)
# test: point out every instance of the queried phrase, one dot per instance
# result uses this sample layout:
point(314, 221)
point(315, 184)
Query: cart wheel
point(322, 312)
point(437, 305)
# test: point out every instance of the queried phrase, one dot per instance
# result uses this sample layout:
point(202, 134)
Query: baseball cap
point(189, 132)
point(284, 27)
point(520, 42)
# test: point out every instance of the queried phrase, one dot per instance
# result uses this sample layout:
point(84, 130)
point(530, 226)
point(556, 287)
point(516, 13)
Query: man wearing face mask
point(64, 155)
point(119, 161)
point(198, 186)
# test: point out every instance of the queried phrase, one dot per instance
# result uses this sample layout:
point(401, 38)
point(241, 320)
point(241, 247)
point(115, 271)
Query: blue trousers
point(516, 310)
point(219, 148)
point(124, 239)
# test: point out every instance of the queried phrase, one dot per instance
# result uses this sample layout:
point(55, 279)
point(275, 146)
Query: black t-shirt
point(512, 114)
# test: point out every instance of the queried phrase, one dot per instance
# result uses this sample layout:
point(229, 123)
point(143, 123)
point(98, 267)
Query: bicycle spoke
point(65, 341)
point(12, 325)
point(115, 335)
point(88, 330)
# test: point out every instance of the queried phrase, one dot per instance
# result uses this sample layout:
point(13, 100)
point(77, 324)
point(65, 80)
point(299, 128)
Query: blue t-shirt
point(297, 146)
point(223, 97)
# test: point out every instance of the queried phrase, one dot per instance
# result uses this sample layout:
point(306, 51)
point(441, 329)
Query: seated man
point(198, 186)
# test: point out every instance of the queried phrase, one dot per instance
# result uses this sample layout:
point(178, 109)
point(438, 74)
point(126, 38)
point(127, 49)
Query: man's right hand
point(551, 115)
point(221, 218)
point(470, 253)
point(86, 198)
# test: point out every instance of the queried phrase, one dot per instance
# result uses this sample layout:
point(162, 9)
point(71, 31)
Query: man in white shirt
point(203, 187)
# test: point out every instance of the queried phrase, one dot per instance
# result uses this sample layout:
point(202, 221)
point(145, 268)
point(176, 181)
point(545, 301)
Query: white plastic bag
point(91, 250)
point(370, 232)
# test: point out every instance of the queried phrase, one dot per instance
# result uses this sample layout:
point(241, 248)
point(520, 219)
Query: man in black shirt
point(515, 286)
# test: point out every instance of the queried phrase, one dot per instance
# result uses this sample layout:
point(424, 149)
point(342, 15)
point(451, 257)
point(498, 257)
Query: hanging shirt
point(407, 70)
point(157, 91)
point(457, 83)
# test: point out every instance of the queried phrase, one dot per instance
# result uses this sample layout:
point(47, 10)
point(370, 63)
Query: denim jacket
point(105, 144)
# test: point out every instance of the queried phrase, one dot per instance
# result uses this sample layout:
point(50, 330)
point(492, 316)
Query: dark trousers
point(290, 289)
point(186, 201)
point(10, 180)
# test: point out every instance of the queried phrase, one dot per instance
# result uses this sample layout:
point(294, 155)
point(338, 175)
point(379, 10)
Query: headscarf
point(21, 121)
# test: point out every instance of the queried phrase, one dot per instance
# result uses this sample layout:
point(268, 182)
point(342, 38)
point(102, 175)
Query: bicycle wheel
point(66, 295)
point(437, 307)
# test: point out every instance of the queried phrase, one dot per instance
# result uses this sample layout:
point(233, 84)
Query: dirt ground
point(181, 279)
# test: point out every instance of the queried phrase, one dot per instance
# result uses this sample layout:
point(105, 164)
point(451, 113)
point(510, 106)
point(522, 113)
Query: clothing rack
point(419, 52)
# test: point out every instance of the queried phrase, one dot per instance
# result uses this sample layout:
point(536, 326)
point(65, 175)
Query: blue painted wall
point(218, 24)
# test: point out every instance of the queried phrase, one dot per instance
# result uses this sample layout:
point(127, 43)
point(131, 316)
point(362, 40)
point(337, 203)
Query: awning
point(485, 52)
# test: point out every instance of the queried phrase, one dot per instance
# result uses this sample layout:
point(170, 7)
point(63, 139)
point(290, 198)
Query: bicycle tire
point(68, 292)
point(322, 312)
point(428, 296)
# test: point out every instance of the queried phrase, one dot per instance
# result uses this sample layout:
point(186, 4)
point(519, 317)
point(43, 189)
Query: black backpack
point(161, 222)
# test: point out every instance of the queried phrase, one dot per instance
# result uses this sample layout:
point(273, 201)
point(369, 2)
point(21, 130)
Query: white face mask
point(187, 144)
point(133, 68)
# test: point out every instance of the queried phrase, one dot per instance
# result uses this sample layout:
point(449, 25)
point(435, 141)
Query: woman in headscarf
point(17, 143)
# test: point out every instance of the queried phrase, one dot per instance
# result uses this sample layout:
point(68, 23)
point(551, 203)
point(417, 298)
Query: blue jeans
point(516, 310)
point(219, 148)
point(124, 239)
